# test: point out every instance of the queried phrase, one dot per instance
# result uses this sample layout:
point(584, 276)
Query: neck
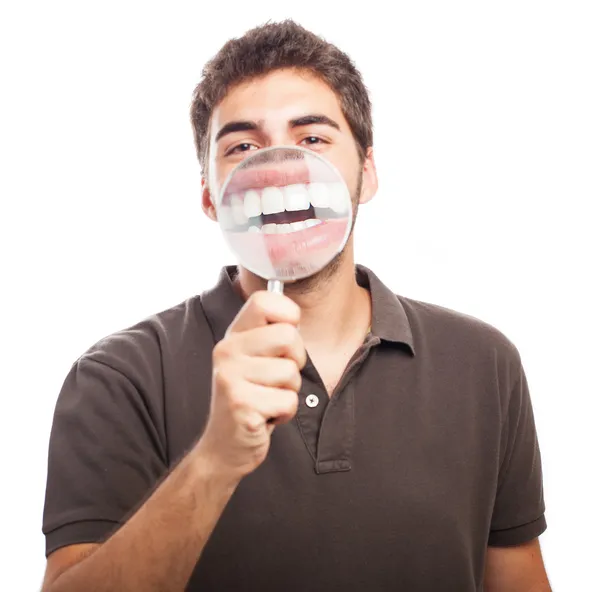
point(327, 302)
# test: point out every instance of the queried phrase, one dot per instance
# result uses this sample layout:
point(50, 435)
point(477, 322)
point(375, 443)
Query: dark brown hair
point(276, 46)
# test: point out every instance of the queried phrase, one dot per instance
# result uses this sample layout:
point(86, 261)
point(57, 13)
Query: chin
point(317, 280)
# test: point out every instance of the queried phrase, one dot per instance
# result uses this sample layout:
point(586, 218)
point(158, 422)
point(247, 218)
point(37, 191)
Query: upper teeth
point(338, 197)
point(252, 205)
point(273, 200)
point(296, 198)
point(319, 194)
point(237, 208)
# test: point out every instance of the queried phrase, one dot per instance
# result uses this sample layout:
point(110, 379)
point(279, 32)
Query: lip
point(292, 173)
point(308, 249)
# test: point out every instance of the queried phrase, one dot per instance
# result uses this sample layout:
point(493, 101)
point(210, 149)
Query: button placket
point(336, 436)
point(311, 406)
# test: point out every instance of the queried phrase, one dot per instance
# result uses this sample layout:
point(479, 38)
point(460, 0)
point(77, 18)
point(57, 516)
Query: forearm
point(160, 544)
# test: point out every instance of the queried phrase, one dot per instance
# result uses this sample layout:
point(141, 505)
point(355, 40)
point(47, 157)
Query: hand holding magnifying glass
point(285, 213)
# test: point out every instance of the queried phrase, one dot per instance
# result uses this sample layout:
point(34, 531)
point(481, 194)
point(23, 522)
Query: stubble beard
point(320, 279)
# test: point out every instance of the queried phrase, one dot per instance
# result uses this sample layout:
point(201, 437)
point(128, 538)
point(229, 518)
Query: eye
point(244, 147)
point(313, 140)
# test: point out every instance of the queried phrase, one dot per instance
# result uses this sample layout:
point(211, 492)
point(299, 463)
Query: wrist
point(212, 470)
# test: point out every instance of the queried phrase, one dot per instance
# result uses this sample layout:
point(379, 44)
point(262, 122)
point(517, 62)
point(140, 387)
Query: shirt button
point(312, 400)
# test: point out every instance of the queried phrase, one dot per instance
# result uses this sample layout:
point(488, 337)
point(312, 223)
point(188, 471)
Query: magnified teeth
point(338, 197)
point(293, 198)
point(237, 208)
point(272, 200)
point(296, 198)
point(252, 206)
point(319, 196)
point(298, 226)
point(285, 228)
point(269, 228)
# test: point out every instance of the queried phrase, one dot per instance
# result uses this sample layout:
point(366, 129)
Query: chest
point(359, 497)
point(331, 365)
point(330, 370)
point(388, 484)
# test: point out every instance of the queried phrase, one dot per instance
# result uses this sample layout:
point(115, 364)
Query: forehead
point(276, 98)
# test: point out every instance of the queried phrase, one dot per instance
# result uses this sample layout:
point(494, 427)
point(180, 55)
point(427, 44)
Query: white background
point(487, 142)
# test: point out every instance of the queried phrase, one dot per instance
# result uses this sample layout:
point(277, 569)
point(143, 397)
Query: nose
point(278, 134)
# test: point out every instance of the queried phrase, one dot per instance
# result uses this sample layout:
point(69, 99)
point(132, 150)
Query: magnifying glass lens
point(285, 213)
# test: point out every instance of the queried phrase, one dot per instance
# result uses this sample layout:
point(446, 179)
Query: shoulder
point(438, 328)
point(141, 348)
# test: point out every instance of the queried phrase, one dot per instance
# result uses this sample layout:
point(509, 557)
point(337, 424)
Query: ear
point(370, 182)
point(207, 201)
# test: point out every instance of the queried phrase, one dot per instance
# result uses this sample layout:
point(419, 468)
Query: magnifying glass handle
point(275, 286)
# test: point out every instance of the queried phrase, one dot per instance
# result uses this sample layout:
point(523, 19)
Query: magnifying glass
point(285, 212)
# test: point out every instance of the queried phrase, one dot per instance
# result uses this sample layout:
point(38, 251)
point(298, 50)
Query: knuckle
point(294, 311)
point(237, 405)
point(293, 377)
point(253, 423)
point(291, 401)
point(302, 357)
point(259, 302)
point(222, 379)
point(291, 370)
point(265, 303)
point(288, 334)
point(223, 350)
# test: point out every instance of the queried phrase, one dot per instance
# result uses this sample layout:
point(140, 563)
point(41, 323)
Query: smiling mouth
point(283, 209)
point(280, 222)
point(285, 216)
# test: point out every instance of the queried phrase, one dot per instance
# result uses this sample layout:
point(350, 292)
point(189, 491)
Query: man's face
point(285, 108)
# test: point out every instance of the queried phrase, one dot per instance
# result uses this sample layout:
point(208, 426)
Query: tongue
point(288, 217)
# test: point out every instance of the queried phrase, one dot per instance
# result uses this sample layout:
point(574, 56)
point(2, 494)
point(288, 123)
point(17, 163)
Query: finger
point(278, 340)
point(263, 308)
point(274, 372)
point(275, 405)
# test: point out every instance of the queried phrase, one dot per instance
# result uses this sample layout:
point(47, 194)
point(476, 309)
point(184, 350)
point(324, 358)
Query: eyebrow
point(237, 126)
point(314, 119)
point(245, 126)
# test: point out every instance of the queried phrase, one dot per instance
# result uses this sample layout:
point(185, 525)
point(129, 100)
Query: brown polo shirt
point(425, 454)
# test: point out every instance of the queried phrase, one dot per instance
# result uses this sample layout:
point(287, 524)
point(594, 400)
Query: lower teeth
point(284, 228)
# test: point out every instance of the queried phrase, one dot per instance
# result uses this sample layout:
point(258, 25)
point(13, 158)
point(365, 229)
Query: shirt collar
point(389, 321)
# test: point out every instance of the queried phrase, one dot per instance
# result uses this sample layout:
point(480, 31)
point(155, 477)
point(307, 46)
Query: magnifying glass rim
point(312, 154)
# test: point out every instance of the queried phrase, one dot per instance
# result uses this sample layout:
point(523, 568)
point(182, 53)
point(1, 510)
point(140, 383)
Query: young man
point(403, 453)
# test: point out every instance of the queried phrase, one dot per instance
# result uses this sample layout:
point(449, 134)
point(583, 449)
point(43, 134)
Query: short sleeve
point(519, 508)
point(105, 455)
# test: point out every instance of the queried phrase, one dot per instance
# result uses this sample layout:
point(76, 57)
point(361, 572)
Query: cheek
point(217, 175)
point(349, 166)
point(217, 169)
point(353, 179)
